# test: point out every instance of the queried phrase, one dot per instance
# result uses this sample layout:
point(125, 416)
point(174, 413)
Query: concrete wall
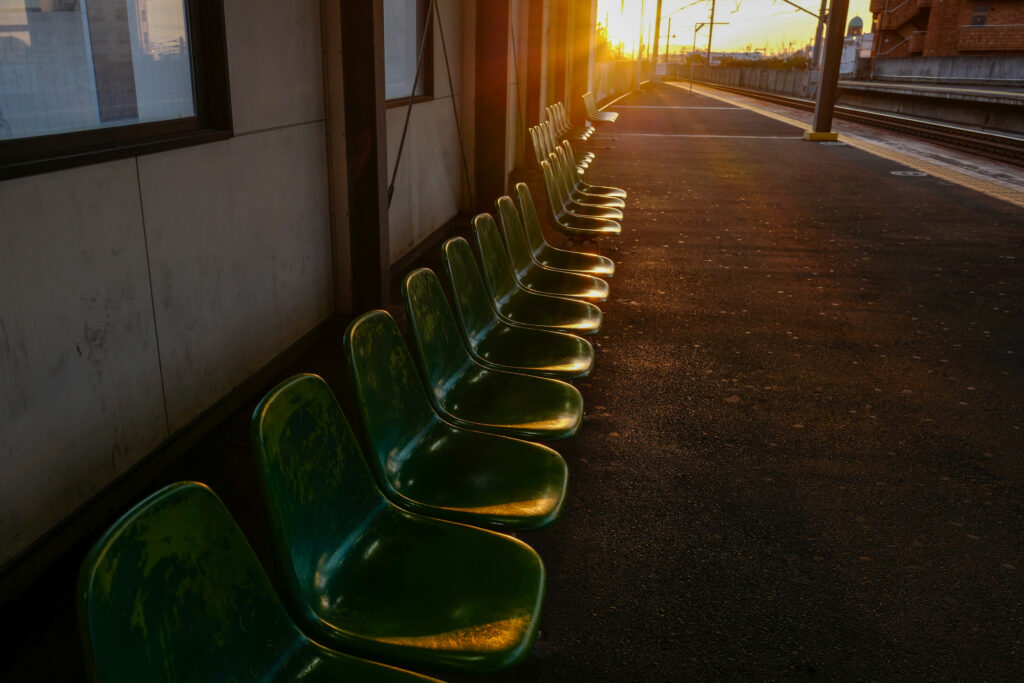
point(986, 70)
point(793, 83)
point(429, 189)
point(138, 292)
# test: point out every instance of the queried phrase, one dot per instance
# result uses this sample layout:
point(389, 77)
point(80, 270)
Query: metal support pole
point(816, 52)
point(693, 54)
point(668, 39)
point(711, 31)
point(657, 32)
point(825, 104)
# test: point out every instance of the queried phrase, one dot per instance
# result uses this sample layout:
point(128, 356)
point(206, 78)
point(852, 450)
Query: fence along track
point(998, 146)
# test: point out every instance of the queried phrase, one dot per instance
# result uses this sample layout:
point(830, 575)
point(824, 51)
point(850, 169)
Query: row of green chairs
point(390, 548)
point(579, 210)
point(563, 127)
point(594, 116)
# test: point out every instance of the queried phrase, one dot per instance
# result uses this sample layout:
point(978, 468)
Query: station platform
point(981, 93)
point(801, 455)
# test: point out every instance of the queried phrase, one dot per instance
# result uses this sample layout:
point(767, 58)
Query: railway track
point(993, 145)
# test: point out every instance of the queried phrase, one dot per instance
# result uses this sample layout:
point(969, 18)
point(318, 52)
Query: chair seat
point(572, 223)
point(537, 278)
point(574, 261)
point(547, 312)
point(535, 352)
point(521, 406)
point(482, 479)
point(439, 594)
point(596, 199)
point(583, 210)
point(602, 190)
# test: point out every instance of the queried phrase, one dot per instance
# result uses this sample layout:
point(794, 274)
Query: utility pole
point(639, 45)
point(668, 39)
point(657, 31)
point(826, 101)
point(816, 52)
point(711, 31)
point(693, 55)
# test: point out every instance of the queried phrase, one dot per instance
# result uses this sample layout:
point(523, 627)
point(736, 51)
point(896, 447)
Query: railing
point(894, 17)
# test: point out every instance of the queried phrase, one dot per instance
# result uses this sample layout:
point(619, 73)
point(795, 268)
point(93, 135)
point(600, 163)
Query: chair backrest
point(392, 402)
point(531, 223)
point(550, 139)
point(537, 151)
point(494, 261)
point(555, 202)
point(569, 155)
point(588, 103)
point(174, 592)
point(566, 171)
point(556, 173)
point(472, 300)
point(317, 487)
point(555, 120)
point(436, 340)
point(519, 250)
point(563, 117)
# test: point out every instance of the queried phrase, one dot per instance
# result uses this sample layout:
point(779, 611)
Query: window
point(89, 80)
point(404, 24)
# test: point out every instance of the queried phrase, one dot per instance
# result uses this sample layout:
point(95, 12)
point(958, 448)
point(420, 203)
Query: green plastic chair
point(521, 306)
point(571, 183)
point(429, 466)
point(551, 141)
point(562, 126)
point(564, 152)
point(364, 575)
point(536, 277)
point(174, 592)
point(580, 207)
point(472, 395)
point(552, 257)
point(569, 223)
point(538, 152)
point(593, 114)
point(497, 343)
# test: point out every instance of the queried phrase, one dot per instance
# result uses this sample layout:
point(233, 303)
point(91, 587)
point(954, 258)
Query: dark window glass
point(85, 77)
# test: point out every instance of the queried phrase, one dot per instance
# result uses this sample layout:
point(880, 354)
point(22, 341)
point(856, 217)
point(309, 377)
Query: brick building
point(941, 28)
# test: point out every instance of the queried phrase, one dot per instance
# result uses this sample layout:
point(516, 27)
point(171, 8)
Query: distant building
point(941, 28)
point(856, 58)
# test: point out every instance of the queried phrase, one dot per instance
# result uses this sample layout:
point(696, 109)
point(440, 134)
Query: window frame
point(212, 120)
point(427, 72)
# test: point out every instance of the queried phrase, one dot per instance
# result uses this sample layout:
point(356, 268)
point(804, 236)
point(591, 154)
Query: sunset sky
point(754, 23)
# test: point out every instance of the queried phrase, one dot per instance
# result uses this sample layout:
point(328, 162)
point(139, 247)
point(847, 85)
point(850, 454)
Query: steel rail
point(998, 146)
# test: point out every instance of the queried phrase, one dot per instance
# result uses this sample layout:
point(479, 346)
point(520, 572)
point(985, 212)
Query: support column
point(535, 46)
point(557, 51)
point(823, 108)
point(582, 14)
point(492, 55)
point(362, 49)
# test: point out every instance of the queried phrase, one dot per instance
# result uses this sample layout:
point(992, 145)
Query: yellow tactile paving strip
point(1006, 194)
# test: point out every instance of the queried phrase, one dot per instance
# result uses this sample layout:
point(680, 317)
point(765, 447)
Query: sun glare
point(766, 26)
